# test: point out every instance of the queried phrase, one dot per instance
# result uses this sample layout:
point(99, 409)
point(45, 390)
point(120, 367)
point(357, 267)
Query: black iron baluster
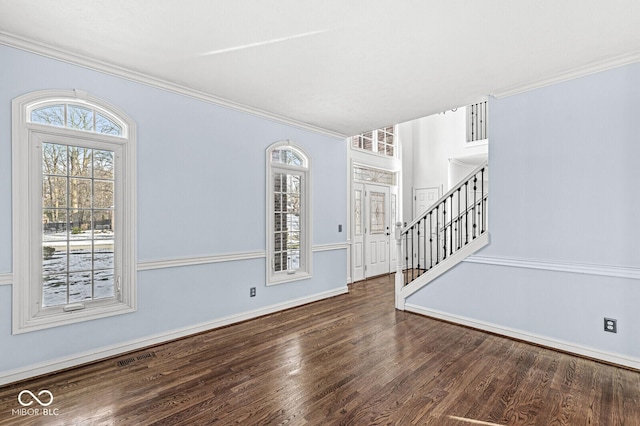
point(475, 193)
point(406, 258)
point(431, 239)
point(437, 236)
point(458, 230)
point(424, 248)
point(418, 225)
point(466, 212)
point(482, 206)
point(412, 256)
point(444, 229)
point(451, 223)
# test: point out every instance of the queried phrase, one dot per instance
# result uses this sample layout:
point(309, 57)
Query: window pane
point(80, 193)
point(286, 156)
point(54, 258)
point(103, 164)
point(377, 212)
point(54, 225)
point(52, 115)
point(80, 161)
point(54, 290)
point(293, 222)
point(80, 221)
point(54, 192)
point(80, 287)
point(54, 159)
point(293, 259)
point(277, 202)
point(103, 257)
point(357, 212)
point(79, 118)
point(103, 225)
point(277, 182)
point(80, 255)
point(106, 126)
point(77, 224)
point(102, 194)
point(104, 284)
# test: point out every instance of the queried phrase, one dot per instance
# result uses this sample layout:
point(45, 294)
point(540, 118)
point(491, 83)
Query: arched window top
point(75, 110)
point(285, 152)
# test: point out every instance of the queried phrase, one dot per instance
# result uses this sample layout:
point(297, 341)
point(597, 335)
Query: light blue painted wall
point(201, 184)
point(563, 185)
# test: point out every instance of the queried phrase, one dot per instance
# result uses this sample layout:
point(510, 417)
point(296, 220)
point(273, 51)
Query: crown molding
point(49, 51)
point(591, 68)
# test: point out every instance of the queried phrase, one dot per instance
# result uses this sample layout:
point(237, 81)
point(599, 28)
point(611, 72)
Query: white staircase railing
point(453, 228)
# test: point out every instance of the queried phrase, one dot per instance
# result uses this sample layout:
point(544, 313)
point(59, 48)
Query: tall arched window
point(288, 213)
point(73, 210)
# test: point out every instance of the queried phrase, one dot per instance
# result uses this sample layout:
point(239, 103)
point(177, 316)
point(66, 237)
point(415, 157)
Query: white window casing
point(288, 213)
point(107, 131)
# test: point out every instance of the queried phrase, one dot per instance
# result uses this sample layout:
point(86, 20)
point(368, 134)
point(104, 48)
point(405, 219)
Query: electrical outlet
point(611, 325)
point(252, 292)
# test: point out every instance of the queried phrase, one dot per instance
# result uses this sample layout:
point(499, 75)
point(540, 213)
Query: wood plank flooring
point(349, 360)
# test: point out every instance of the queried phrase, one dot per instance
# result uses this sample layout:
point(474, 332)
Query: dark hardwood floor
point(348, 360)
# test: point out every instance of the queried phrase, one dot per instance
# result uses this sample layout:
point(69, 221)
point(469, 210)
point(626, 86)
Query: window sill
point(49, 320)
point(287, 278)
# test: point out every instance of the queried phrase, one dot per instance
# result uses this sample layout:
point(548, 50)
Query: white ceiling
point(340, 65)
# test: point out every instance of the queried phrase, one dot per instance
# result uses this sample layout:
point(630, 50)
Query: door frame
point(357, 245)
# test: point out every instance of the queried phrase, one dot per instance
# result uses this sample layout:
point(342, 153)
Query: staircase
point(453, 228)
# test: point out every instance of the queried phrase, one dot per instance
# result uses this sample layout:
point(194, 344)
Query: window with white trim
point(288, 213)
point(73, 209)
point(381, 141)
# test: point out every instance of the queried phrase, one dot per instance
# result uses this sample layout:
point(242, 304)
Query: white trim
point(592, 68)
point(6, 279)
point(27, 314)
point(328, 247)
point(305, 270)
point(536, 339)
point(48, 51)
point(442, 267)
point(147, 265)
point(113, 350)
point(552, 265)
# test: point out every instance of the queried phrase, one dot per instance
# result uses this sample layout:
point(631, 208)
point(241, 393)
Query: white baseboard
point(113, 350)
point(609, 357)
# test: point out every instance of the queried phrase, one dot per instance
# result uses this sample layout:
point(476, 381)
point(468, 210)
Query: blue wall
point(201, 184)
point(563, 169)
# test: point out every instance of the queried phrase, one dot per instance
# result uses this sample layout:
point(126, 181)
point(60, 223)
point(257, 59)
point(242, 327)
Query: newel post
point(399, 264)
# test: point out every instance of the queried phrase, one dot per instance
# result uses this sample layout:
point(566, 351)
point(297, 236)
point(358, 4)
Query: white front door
point(377, 230)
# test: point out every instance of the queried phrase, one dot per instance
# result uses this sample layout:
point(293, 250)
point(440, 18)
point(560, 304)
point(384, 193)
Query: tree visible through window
point(78, 224)
point(288, 245)
point(74, 254)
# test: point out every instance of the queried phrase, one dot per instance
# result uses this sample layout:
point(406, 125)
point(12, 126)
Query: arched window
point(73, 209)
point(288, 213)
